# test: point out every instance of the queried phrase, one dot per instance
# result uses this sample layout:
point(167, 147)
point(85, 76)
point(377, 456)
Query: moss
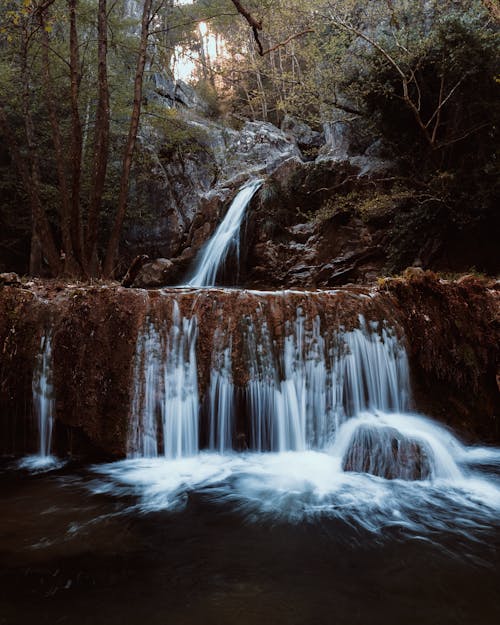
point(454, 346)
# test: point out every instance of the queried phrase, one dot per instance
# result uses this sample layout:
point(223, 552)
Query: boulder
point(386, 452)
point(155, 274)
point(307, 140)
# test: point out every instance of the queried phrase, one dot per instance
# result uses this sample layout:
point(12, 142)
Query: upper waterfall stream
point(225, 238)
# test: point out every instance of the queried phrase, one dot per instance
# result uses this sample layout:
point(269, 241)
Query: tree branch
point(291, 38)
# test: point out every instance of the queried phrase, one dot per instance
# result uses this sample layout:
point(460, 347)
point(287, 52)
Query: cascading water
point(325, 378)
point(165, 398)
point(296, 395)
point(43, 395)
point(291, 404)
point(225, 238)
point(222, 402)
point(43, 398)
point(311, 379)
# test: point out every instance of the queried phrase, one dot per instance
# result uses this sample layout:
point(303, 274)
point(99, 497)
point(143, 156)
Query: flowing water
point(43, 397)
point(285, 537)
point(275, 474)
point(225, 239)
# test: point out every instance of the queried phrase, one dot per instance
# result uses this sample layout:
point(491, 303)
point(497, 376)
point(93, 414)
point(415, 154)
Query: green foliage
point(176, 134)
point(211, 98)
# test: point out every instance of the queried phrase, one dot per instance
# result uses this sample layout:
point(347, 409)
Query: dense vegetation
point(77, 84)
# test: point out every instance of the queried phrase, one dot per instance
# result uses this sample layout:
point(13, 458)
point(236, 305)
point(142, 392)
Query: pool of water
point(248, 539)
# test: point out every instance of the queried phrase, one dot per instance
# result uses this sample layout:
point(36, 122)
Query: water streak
point(165, 399)
point(43, 395)
point(221, 394)
point(326, 377)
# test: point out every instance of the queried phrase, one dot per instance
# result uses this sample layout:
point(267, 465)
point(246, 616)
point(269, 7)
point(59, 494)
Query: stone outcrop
point(9, 279)
point(453, 330)
point(306, 230)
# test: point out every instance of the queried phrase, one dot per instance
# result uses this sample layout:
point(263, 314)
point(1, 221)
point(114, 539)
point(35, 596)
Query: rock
point(413, 272)
point(185, 95)
point(338, 140)
point(154, 274)
point(258, 147)
point(134, 269)
point(10, 279)
point(370, 166)
point(386, 452)
point(307, 140)
point(95, 330)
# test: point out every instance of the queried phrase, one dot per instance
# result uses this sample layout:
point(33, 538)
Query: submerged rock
point(385, 452)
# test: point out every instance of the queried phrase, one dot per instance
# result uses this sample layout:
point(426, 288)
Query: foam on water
point(297, 486)
point(40, 464)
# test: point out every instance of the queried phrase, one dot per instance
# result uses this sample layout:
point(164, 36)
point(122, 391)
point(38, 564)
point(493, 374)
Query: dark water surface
point(76, 550)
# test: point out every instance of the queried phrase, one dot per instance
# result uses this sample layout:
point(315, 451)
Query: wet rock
point(155, 274)
point(386, 452)
point(463, 316)
point(452, 341)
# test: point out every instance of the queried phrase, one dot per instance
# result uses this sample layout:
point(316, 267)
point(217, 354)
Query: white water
point(222, 401)
point(225, 239)
point(296, 396)
point(323, 382)
point(303, 486)
point(328, 406)
point(165, 397)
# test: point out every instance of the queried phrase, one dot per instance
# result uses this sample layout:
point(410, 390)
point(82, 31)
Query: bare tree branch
point(284, 43)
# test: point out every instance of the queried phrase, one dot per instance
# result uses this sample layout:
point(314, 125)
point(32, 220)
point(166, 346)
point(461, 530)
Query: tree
point(114, 239)
point(38, 37)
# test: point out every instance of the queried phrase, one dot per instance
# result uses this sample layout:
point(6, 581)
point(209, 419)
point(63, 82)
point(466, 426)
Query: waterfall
point(165, 398)
point(222, 402)
point(179, 408)
point(319, 385)
point(225, 238)
point(294, 394)
point(293, 404)
point(43, 395)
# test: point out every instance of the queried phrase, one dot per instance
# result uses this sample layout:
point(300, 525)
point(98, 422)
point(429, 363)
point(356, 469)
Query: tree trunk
point(65, 210)
point(101, 140)
point(114, 240)
point(42, 239)
point(76, 137)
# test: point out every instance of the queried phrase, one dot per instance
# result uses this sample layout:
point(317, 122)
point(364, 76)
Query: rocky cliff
point(334, 208)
